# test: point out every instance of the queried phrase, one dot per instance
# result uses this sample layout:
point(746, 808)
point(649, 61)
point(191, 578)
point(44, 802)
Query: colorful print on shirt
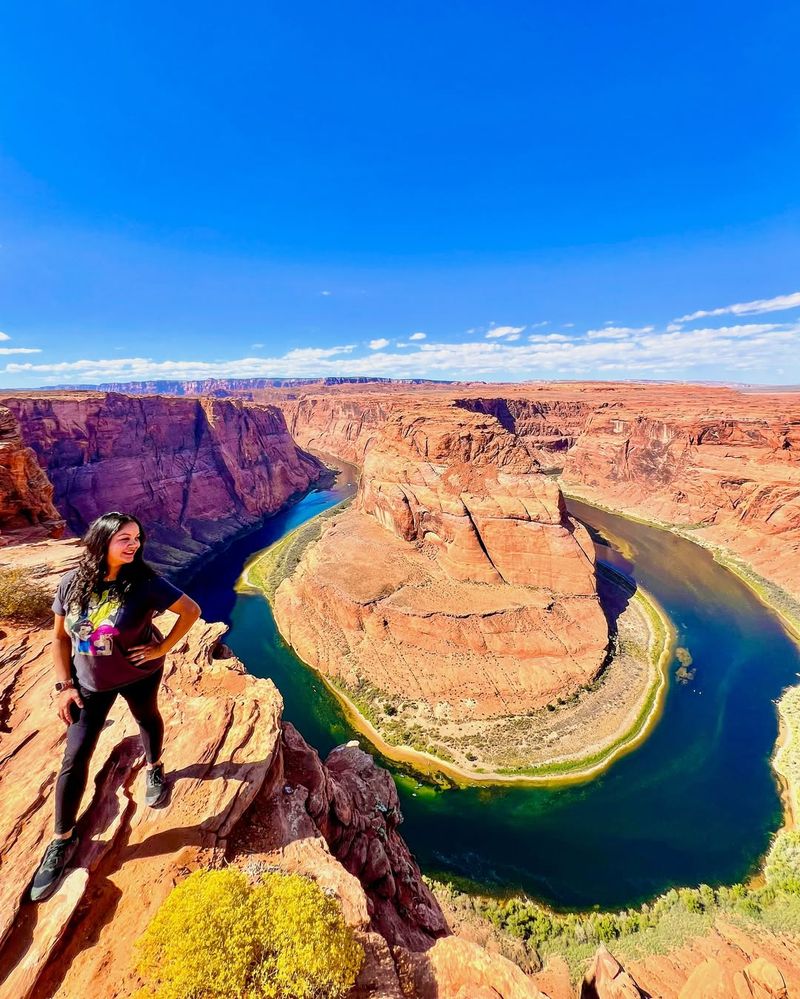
point(93, 633)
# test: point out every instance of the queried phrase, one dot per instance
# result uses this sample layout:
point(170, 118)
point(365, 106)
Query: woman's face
point(123, 545)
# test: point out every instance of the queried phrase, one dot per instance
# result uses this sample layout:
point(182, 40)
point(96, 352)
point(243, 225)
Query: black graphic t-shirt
point(102, 636)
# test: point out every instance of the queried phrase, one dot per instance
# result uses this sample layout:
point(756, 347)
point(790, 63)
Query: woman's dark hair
point(93, 565)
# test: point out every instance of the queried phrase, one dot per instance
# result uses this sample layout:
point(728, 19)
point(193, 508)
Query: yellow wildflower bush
point(216, 936)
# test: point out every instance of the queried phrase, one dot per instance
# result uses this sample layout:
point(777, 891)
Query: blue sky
point(453, 190)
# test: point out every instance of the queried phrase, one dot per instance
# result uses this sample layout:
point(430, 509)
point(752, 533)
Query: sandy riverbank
point(619, 710)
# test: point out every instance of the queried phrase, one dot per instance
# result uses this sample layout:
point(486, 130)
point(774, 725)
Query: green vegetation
point(373, 705)
point(660, 645)
point(653, 928)
point(217, 936)
point(23, 598)
point(280, 560)
point(774, 596)
point(396, 719)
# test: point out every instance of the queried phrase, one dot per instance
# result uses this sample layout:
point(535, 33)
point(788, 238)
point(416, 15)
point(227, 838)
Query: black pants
point(83, 733)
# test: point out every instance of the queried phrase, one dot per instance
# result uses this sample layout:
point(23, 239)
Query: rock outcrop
point(456, 580)
point(196, 472)
point(26, 494)
point(245, 790)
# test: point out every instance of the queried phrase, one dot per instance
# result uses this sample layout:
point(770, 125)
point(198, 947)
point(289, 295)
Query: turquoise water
point(697, 802)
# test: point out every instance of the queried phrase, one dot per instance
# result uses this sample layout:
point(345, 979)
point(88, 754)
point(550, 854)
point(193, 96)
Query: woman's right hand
point(65, 699)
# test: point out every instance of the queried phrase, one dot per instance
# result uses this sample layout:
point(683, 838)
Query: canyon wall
point(26, 494)
point(720, 462)
point(731, 478)
point(195, 471)
point(338, 424)
point(246, 790)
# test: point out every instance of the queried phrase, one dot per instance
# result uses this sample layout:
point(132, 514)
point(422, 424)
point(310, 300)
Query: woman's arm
point(188, 612)
point(61, 646)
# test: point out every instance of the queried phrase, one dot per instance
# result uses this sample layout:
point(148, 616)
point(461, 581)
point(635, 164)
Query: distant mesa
point(224, 387)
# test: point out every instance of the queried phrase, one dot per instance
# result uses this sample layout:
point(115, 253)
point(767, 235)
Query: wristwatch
point(63, 685)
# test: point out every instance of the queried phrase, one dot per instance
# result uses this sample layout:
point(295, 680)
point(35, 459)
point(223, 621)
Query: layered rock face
point(456, 580)
point(196, 472)
point(247, 790)
point(26, 495)
point(732, 477)
point(338, 424)
point(723, 462)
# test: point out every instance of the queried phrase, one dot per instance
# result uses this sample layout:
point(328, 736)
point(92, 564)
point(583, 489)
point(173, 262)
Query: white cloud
point(316, 353)
point(617, 332)
point(326, 294)
point(568, 326)
point(503, 331)
point(778, 304)
point(536, 326)
point(257, 345)
point(4, 336)
point(752, 351)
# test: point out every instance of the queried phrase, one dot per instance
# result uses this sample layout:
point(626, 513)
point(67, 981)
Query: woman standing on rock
point(104, 644)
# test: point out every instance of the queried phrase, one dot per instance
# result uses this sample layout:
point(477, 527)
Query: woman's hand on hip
point(139, 654)
point(65, 699)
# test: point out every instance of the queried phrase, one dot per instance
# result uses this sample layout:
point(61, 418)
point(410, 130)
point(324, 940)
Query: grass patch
point(278, 562)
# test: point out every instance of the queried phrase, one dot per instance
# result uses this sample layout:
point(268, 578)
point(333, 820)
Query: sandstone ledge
point(245, 790)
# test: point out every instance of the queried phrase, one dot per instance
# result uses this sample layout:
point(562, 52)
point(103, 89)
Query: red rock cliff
point(26, 495)
point(723, 462)
point(195, 471)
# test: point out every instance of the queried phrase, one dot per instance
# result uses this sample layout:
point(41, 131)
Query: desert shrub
point(690, 899)
point(22, 597)
point(783, 863)
point(216, 936)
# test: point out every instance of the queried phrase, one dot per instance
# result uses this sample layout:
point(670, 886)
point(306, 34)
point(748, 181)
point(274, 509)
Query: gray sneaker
point(155, 786)
point(48, 876)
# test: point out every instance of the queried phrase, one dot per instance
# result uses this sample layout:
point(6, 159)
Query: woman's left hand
point(139, 654)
